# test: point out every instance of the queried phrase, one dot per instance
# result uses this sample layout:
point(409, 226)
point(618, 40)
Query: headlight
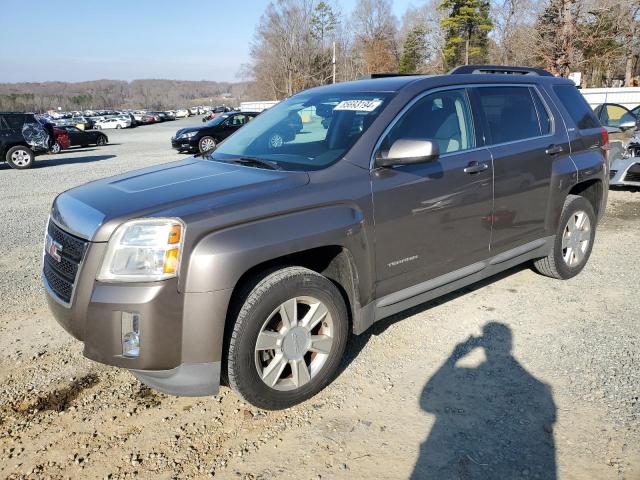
point(188, 135)
point(143, 251)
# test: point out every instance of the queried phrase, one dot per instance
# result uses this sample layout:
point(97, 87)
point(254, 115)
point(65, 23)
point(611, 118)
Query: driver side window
point(441, 117)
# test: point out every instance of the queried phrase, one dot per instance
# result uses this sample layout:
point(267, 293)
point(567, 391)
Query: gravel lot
point(566, 395)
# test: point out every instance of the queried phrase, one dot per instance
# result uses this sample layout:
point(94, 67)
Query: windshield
point(309, 131)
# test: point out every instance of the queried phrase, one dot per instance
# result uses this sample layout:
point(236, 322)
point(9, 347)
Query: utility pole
point(333, 62)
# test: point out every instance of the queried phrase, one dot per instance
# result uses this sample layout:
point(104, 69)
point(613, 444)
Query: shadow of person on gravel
point(492, 421)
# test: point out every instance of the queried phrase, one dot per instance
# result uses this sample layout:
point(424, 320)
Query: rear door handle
point(475, 167)
point(554, 149)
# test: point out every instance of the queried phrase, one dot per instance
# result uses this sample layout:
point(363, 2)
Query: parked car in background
point(169, 115)
point(128, 117)
point(193, 111)
point(205, 138)
point(22, 137)
point(617, 116)
point(81, 122)
point(112, 123)
point(147, 119)
point(84, 138)
point(61, 140)
point(182, 113)
point(214, 112)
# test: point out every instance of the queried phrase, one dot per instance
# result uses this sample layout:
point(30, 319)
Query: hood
point(196, 128)
point(191, 186)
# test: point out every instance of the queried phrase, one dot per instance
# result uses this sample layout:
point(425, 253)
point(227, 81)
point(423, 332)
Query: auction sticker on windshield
point(358, 105)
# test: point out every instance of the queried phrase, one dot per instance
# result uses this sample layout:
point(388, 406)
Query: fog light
point(130, 322)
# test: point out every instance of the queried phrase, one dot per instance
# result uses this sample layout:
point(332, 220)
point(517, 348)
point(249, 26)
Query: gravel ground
point(567, 395)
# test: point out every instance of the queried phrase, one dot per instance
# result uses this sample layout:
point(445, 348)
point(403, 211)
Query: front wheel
point(206, 144)
point(276, 140)
point(118, 127)
point(574, 240)
point(288, 339)
point(102, 140)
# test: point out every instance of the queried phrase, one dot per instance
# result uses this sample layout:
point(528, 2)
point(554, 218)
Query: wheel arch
point(592, 190)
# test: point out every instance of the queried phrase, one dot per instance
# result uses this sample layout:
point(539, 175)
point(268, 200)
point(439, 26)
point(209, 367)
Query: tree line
point(115, 94)
point(293, 46)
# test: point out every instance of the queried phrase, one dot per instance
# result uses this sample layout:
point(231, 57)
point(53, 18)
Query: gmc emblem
point(52, 248)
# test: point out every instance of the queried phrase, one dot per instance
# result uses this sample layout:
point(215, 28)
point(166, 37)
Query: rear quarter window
point(576, 106)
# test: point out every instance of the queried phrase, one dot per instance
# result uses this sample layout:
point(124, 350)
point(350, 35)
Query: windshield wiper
point(257, 162)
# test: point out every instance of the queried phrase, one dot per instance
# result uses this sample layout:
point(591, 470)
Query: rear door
point(524, 141)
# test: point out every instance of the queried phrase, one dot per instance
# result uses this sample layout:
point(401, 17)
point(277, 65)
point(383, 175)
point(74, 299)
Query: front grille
point(61, 275)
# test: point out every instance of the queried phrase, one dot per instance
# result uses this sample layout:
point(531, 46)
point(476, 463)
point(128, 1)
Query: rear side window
point(15, 121)
point(510, 113)
point(3, 124)
point(577, 106)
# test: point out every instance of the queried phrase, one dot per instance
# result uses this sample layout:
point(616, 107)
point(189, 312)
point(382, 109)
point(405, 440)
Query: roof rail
point(390, 74)
point(500, 69)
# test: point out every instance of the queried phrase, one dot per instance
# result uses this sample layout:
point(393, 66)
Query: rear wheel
point(118, 127)
point(20, 157)
point(288, 339)
point(55, 148)
point(573, 242)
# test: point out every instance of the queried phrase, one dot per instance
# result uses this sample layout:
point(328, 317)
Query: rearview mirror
point(407, 151)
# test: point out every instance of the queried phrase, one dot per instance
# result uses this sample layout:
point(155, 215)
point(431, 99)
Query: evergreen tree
point(467, 27)
point(323, 22)
point(413, 50)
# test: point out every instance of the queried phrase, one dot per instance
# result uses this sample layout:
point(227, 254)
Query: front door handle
point(475, 167)
point(554, 149)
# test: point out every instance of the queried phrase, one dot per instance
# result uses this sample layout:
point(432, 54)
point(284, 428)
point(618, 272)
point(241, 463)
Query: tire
point(101, 141)
point(118, 127)
point(564, 262)
point(55, 148)
point(98, 127)
point(20, 157)
point(206, 144)
point(247, 364)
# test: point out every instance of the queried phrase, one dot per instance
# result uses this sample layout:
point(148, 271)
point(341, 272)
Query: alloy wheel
point(20, 158)
point(294, 343)
point(207, 144)
point(276, 140)
point(576, 238)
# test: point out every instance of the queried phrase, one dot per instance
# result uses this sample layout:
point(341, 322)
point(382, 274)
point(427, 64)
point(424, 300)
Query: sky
point(71, 40)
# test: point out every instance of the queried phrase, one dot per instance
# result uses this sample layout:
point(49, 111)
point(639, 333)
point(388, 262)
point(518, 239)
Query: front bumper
point(184, 144)
point(181, 334)
point(625, 172)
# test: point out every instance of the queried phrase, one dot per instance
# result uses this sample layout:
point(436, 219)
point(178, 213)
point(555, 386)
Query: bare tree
point(377, 35)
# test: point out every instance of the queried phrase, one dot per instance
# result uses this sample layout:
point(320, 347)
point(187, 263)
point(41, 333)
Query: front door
point(432, 218)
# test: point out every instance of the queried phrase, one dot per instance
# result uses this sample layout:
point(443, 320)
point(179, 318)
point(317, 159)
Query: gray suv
point(253, 265)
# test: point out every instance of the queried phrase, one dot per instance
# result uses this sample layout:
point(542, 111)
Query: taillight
point(605, 143)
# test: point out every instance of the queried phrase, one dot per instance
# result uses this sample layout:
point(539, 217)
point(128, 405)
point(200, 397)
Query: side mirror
point(408, 151)
point(627, 125)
